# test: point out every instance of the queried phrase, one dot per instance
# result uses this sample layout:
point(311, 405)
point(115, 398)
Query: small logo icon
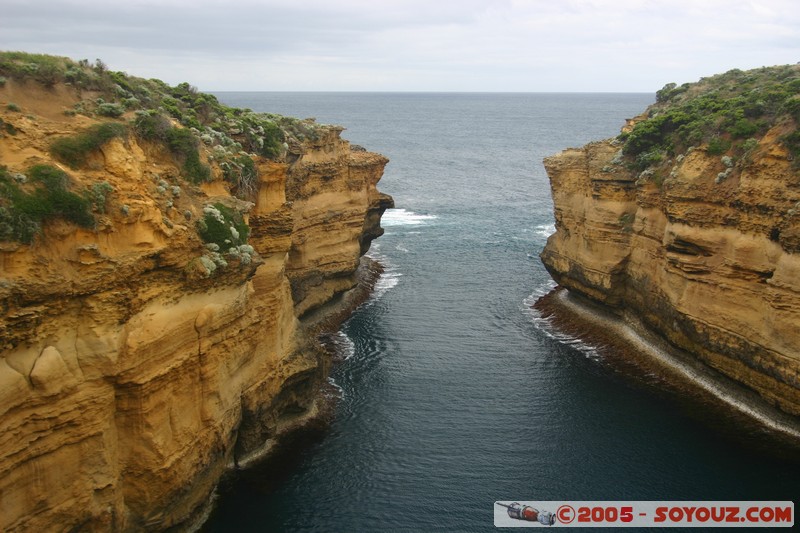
point(529, 514)
point(565, 514)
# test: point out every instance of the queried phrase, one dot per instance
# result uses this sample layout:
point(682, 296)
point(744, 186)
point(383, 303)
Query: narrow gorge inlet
point(170, 261)
point(455, 392)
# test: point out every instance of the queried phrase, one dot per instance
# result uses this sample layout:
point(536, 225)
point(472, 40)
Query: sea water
point(453, 394)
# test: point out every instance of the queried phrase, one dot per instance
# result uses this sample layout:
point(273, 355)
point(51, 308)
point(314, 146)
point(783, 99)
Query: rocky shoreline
point(647, 360)
point(282, 451)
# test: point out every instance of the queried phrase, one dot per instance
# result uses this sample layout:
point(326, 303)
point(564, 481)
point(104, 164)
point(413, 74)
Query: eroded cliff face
point(708, 261)
point(133, 373)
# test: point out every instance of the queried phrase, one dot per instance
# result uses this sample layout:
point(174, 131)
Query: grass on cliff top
point(194, 127)
point(727, 113)
point(113, 94)
point(232, 137)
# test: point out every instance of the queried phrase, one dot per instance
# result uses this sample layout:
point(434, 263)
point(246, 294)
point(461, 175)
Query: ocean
point(454, 393)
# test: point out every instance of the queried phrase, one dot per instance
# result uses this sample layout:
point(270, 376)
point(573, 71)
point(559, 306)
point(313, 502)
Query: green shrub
point(7, 226)
point(74, 150)
point(122, 81)
point(670, 91)
point(743, 128)
point(195, 170)
point(70, 206)
point(273, 140)
point(131, 103)
point(222, 226)
point(22, 213)
point(241, 171)
point(749, 145)
point(98, 195)
point(654, 133)
point(55, 199)
point(647, 159)
point(181, 142)
point(45, 69)
point(152, 126)
point(11, 106)
point(715, 110)
point(792, 107)
point(792, 143)
point(50, 73)
point(8, 127)
point(183, 145)
point(718, 146)
point(108, 109)
point(50, 177)
point(17, 227)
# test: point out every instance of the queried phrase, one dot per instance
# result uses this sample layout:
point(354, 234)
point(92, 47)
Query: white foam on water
point(344, 344)
point(339, 390)
point(402, 217)
point(545, 230)
point(390, 276)
point(388, 280)
point(545, 325)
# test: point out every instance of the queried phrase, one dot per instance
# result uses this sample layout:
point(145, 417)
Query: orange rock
point(129, 379)
point(712, 267)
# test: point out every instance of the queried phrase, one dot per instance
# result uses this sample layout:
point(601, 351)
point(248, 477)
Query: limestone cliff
point(689, 223)
point(140, 355)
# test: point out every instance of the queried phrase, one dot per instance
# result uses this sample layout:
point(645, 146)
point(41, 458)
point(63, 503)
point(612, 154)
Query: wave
point(343, 344)
point(402, 217)
point(337, 391)
point(388, 279)
point(545, 230)
point(545, 324)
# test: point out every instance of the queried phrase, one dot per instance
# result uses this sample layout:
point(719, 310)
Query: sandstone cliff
point(689, 223)
point(140, 355)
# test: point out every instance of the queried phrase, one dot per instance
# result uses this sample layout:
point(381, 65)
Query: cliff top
point(93, 90)
point(728, 114)
point(61, 119)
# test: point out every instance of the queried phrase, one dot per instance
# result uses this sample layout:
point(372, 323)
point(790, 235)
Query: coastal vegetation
point(206, 139)
point(74, 150)
point(223, 227)
point(726, 114)
point(115, 94)
point(27, 200)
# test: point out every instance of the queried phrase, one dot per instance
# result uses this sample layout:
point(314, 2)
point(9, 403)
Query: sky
point(412, 45)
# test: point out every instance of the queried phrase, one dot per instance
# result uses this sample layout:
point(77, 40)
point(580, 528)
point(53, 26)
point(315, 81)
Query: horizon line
point(413, 92)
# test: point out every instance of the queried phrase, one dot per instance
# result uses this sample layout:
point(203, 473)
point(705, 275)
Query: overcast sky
point(412, 45)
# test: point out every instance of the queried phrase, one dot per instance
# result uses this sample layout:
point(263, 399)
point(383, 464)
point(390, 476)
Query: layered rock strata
point(132, 373)
point(711, 265)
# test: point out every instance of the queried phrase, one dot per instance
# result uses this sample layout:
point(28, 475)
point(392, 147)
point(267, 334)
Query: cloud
point(513, 45)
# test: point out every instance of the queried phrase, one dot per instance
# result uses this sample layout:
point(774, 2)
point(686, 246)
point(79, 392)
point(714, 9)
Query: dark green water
point(454, 396)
